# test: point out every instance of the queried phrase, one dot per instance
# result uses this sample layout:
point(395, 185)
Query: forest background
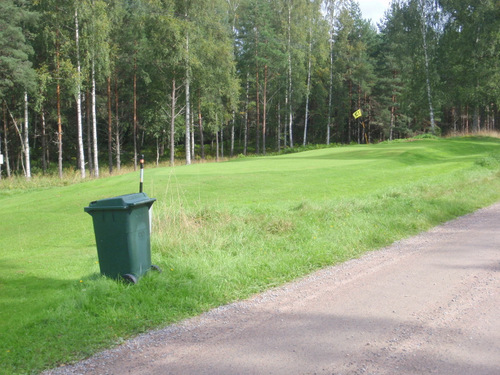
point(92, 80)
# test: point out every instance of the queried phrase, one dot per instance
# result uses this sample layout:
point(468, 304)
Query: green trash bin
point(122, 234)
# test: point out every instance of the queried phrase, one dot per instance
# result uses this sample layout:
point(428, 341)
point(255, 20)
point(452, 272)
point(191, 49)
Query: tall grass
point(221, 232)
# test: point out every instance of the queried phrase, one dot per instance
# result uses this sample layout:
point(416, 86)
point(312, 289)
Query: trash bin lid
point(122, 202)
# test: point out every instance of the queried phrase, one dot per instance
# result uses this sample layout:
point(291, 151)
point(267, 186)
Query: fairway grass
point(221, 232)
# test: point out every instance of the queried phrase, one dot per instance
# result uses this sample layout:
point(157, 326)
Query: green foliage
point(221, 232)
point(246, 61)
point(15, 65)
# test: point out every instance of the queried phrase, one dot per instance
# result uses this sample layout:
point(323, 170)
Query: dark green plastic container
point(122, 234)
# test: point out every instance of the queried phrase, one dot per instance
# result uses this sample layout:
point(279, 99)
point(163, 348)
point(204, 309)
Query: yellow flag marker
point(357, 113)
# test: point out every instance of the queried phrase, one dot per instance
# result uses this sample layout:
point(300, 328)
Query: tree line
point(84, 82)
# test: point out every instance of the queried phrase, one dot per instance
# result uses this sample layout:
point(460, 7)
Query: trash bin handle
point(149, 201)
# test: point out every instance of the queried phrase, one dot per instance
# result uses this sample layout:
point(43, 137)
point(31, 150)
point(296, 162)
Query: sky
point(374, 9)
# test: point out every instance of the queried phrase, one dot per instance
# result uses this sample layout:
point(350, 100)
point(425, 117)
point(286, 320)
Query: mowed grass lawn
point(221, 232)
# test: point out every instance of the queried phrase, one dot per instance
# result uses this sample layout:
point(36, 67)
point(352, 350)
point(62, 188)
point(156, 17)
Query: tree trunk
point(188, 104)
point(172, 126)
point(135, 109)
point(493, 118)
point(245, 136)
point(21, 141)
point(279, 126)
point(290, 123)
point(232, 134)
point(216, 144)
point(257, 103)
point(110, 130)
point(44, 142)
point(88, 118)
point(476, 120)
point(26, 138)
point(94, 124)
point(1, 155)
point(330, 92)
point(59, 120)
point(393, 110)
point(467, 119)
point(454, 120)
point(264, 112)
point(117, 121)
point(427, 74)
point(5, 141)
point(358, 120)
point(222, 138)
point(308, 90)
point(192, 136)
point(349, 121)
point(200, 124)
point(157, 151)
point(285, 125)
point(81, 156)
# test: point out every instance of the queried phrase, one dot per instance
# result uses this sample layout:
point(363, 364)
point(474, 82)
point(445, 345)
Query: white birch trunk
point(222, 138)
point(117, 117)
point(391, 129)
point(308, 91)
point(427, 74)
point(20, 134)
point(81, 156)
point(290, 123)
point(26, 138)
point(1, 157)
point(285, 131)
point(264, 112)
point(172, 126)
point(192, 138)
point(245, 137)
point(94, 124)
point(5, 141)
point(330, 93)
point(188, 105)
point(216, 139)
point(59, 120)
point(279, 126)
point(232, 134)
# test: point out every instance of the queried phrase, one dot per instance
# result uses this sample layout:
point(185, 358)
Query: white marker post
point(141, 183)
point(142, 173)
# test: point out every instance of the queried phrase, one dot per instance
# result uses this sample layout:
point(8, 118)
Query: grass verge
point(222, 232)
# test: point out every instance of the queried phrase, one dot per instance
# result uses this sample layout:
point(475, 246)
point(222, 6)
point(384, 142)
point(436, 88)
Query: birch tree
point(26, 142)
point(313, 11)
point(96, 34)
point(54, 39)
point(289, 101)
point(333, 9)
point(78, 96)
point(5, 139)
point(161, 24)
point(423, 27)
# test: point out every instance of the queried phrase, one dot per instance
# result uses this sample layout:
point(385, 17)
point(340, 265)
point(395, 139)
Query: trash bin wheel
point(130, 278)
point(156, 268)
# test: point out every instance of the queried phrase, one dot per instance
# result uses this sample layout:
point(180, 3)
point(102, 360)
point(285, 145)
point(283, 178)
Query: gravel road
point(426, 305)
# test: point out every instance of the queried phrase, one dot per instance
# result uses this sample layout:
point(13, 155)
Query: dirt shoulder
point(426, 305)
